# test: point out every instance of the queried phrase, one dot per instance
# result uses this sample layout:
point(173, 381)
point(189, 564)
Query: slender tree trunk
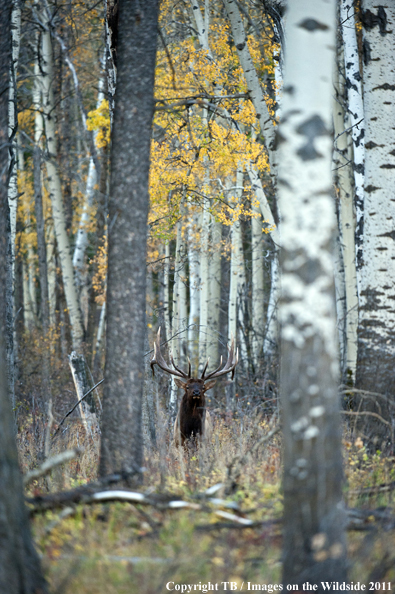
point(81, 243)
point(258, 307)
point(13, 120)
point(356, 117)
point(314, 517)
point(344, 184)
point(77, 330)
point(376, 332)
point(204, 279)
point(166, 300)
point(250, 73)
point(121, 445)
point(194, 294)
point(99, 341)
point(214, 288)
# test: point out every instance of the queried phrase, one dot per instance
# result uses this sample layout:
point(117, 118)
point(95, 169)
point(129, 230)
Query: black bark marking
point(392, 152)
point(370, 189)
point(241, 46)
point(360, 137)
point(366, 52)
point(290, 89)
point(387, 166)
point(371, 20)
point(359, 168)
point(390, 234)
point(350, 85)
point(313, 25)
point(311, 128)
point(371, 144)
point(384, 87)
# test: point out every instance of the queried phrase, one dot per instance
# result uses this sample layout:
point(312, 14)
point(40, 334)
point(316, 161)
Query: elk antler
point(229, 365)
point(159, 360)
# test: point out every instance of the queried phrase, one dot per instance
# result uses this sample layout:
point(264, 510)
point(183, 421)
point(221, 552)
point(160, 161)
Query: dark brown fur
point(192, 420)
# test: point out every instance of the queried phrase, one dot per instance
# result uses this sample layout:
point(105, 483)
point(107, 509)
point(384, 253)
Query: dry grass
point(123, 548)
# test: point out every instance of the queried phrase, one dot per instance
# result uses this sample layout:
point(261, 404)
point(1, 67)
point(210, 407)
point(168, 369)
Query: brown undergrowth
point(126, 548)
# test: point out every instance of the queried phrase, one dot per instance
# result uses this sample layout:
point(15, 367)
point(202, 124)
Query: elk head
point(192, 418)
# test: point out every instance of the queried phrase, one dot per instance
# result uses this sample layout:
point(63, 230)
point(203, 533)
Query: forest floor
point(126, 548)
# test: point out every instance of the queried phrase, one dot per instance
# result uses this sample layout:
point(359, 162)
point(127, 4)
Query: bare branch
point(52, 462)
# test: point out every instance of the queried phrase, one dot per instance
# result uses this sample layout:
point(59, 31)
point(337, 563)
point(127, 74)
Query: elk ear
point(209, 385)
point(180, 384)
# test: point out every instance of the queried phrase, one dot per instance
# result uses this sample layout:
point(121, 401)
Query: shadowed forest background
point(218, 169)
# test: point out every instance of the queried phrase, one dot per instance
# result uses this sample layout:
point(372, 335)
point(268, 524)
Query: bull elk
point(193, 419)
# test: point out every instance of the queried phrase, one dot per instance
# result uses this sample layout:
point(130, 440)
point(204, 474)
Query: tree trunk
point(250, 73)
point(194, 292)
point(343, 182)
point(257, 276)
point(204, 280)
point(314, 517)
point(121, 445)
point(77, 330)
point(214, 288)
point(20, 571)
point(356, 117)
point(376, 332)
point(13, 121)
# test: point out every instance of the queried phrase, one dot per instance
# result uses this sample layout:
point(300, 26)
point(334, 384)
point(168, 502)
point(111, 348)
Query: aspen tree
point(348, 320)
point(376, 345)
point(356, 120)
point(314, 516)
point(55, 189)
point(194, 289)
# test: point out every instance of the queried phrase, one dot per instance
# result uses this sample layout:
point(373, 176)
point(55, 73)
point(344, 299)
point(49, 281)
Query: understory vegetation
point(127, 547)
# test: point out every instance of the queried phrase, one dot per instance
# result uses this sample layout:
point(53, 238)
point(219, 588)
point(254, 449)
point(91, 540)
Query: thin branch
point(369, 414)
point(52, 462)
point(75, 406)
point(347, 129)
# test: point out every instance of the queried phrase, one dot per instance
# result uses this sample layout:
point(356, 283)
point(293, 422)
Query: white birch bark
point(81, 242)
point(180, 309)
point(309, 374)
point(12, 123)
point(237, 280)
point(341, 301)
point(250, 73)
point(29, 289)
point(28, 315)
point(257, 282)
point(204, 280)
point(201, 26)
point(376, 344)
point(353, 82)
point(166, 300)
point(214, 288)
point(194, 291)
point(348, 319)
point(54, 186)
point(49, 231)
point(51, 271)
point(99, 338)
